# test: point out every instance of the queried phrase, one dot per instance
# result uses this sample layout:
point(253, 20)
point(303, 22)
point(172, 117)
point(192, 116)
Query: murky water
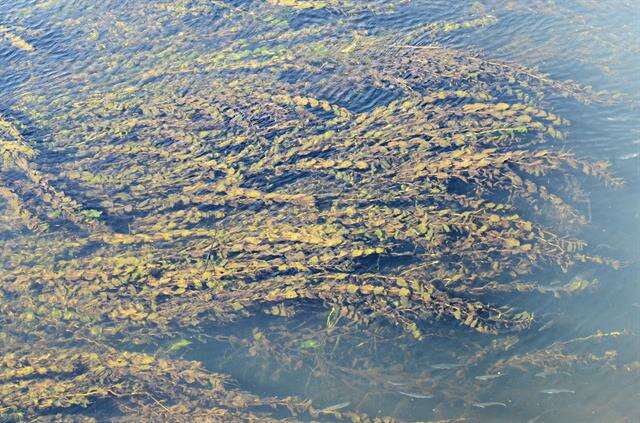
point(156, 200)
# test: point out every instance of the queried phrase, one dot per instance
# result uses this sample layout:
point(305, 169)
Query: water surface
point(191, 171)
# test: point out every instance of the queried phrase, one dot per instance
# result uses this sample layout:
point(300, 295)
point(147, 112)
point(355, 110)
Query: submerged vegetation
point(190, 176)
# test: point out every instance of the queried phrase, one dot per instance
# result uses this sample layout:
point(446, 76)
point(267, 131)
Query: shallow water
point(83, 49)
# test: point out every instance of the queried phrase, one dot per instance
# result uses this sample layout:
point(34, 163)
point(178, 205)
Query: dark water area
point(208, 208)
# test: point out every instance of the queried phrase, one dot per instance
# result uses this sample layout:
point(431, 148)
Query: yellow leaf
point(404, 292)
point(362, 165)
point(290, 294)
point(511, 243)
point(457, 313)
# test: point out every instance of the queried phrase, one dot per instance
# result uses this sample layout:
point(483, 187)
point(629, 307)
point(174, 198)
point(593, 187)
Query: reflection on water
point(329, 210)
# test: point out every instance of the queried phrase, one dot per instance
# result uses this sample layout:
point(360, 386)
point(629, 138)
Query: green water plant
point(178, 185)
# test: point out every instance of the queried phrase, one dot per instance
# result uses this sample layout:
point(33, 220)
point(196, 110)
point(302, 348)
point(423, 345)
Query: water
point(128, 104)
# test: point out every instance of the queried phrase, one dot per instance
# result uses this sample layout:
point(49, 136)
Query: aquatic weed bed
point(305, 192)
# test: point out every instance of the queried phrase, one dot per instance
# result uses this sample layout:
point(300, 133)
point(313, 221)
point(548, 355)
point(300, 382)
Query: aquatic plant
point(191, 185)
point(15, 40)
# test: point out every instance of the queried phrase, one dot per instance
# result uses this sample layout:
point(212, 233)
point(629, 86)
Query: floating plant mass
point(175, 185)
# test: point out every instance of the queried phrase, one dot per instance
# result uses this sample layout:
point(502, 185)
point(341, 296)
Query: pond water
point(300, 210)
